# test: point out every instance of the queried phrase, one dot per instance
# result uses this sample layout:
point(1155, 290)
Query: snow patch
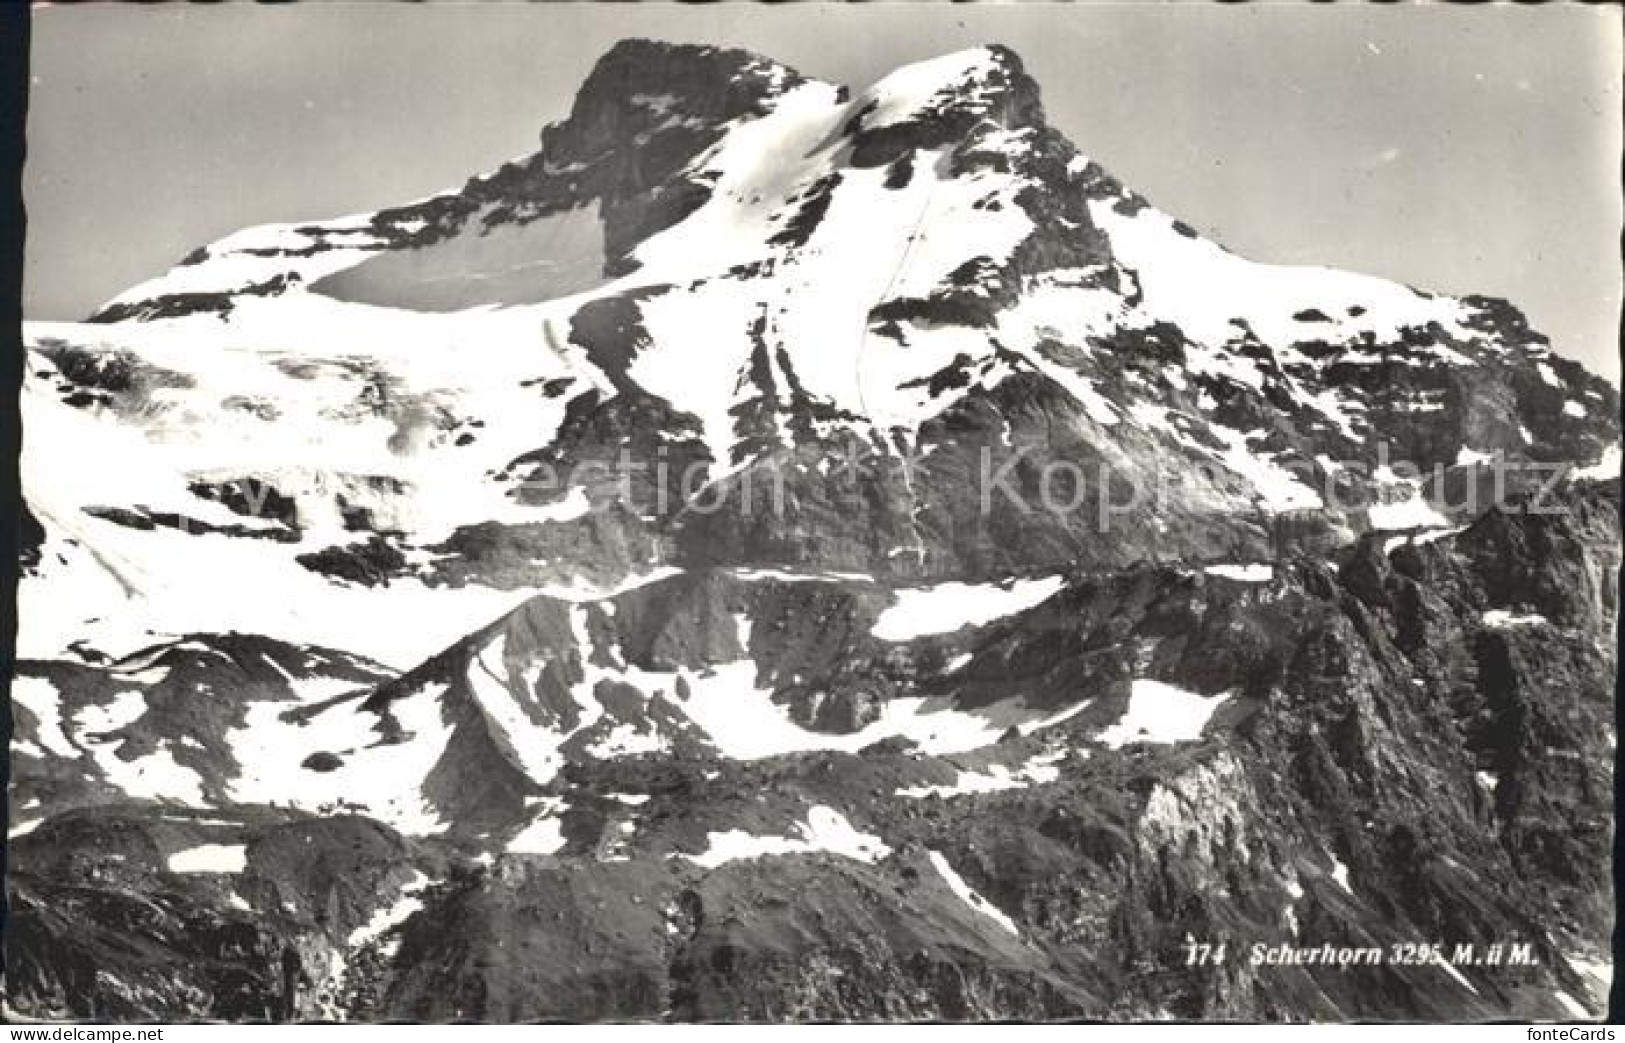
point(943, 609)
point(1204, 288)
point(326, 431)
point(1400, 504)
point(1278, 488)
point(908, 91)
point(1449, 968)
point(493, 681)
point(125, 709)
point(1574, 1007)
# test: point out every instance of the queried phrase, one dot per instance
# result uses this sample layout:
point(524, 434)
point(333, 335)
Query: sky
point(1457, 149)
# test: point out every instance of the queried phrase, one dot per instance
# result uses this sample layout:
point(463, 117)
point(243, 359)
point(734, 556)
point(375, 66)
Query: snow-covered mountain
point(786, 552)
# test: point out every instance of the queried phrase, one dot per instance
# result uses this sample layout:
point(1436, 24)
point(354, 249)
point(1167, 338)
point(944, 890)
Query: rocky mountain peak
point(640, 86)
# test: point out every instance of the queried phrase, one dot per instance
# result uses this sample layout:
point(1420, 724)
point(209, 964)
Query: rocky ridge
point(374, 669)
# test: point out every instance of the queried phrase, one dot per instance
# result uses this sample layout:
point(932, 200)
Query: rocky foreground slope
point(787, 553)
